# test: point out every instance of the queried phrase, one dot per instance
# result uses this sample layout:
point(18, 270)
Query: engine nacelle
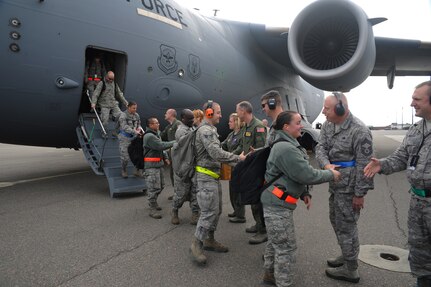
point(331, 45)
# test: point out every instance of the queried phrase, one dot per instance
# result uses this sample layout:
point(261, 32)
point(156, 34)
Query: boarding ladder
point(103, 155)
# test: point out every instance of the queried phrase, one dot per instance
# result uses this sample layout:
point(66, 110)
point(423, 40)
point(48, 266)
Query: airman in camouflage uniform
point(345, 142)
point(279, 199)
point(168, 134)
point(253, 137)
point(130, 127)
point(414, 153)
point(154, 156)
point(184, 188)
point(209, 154)
point(107, 98)
point(94, 73)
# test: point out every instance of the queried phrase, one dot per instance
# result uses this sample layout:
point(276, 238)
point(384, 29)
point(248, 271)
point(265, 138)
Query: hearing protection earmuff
point(271, 103)
point(209, 112)
point(339, 108)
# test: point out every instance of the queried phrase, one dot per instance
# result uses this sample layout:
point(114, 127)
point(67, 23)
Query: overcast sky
point(372, 101)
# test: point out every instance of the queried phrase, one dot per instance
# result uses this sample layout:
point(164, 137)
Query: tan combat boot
point(196, 251)
point(175, 220)
point(195, 218)
point(138, 173)
point(335, 262)
point(211, 244)
point(153, 212)
point(124, 169)
point(343, 273)
point(268, 277)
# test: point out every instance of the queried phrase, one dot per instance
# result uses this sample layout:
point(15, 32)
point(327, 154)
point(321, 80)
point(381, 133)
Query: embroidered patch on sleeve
point(366, 147)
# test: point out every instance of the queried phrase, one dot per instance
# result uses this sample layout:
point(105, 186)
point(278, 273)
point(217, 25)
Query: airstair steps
point(104, 157)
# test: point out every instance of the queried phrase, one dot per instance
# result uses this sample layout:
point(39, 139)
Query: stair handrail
point(98, 118)
point(101, 162)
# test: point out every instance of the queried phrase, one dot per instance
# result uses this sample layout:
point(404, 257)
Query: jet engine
point(331, 45)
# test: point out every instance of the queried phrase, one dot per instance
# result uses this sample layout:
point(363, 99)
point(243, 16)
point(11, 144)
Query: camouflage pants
point(155, 184)
point(91, 86)
point(209, 200)
point(104, 115)
point(344, 221)
point(419, 224)
point(183, 190)
point(124, 143)
point(280, 252)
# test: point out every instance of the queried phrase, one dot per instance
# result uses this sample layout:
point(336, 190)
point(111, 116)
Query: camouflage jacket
point(168, 134)
point(154, 148)
point(353, 141)
point(128, 122)
point(209, 153)
point(95, 70)
point(297, 171)
point(420, 176)
point(253, 135)
point(108, 98)
point(182, 131)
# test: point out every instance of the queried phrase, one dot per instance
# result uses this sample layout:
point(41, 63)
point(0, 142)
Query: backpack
point(184, 156)
point(248, 176)
point(136, 152)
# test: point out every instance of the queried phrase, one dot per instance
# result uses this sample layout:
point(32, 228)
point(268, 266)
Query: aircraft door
point(98, 62)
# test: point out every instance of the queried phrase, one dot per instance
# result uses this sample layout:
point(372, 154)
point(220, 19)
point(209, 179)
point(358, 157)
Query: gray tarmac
point(59, 227)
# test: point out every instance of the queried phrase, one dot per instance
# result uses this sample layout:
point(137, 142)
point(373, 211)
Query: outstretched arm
point(372, 167)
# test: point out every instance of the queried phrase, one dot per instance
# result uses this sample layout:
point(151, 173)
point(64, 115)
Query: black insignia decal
point(167, 61)
point(194, 67)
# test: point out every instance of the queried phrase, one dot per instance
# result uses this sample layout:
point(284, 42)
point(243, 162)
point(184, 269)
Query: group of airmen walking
point(344, 153)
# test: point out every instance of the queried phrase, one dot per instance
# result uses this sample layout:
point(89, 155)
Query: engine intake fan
point(331, 45)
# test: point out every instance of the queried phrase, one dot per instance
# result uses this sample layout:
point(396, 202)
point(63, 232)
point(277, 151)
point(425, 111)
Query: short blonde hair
point(236, 120)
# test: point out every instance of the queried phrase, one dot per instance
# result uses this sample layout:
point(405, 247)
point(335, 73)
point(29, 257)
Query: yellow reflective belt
point(207, 172)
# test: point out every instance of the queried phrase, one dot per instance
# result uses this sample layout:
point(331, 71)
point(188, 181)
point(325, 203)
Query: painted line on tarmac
point(397, 138)
point(7, 184)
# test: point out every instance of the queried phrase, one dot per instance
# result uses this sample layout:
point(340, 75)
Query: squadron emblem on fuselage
point(167, 61)
point(194, 67)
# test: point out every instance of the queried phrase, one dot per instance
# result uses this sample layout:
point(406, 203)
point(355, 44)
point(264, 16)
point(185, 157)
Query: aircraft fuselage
point(164, 56)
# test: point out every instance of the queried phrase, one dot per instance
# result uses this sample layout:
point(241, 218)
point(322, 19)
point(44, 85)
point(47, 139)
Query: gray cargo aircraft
point(165, 56)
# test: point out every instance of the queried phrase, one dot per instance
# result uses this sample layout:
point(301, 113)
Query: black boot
point(424, 281)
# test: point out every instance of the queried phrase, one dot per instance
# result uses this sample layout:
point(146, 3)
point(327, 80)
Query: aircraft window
point(287, 101)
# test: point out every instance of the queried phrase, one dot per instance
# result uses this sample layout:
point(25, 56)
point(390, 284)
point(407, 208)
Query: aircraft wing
point(405, 57)
point(331, 46)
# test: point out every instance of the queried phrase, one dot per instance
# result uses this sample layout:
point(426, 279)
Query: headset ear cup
point(339, 109)
point(209, 113)
point(271, 104)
